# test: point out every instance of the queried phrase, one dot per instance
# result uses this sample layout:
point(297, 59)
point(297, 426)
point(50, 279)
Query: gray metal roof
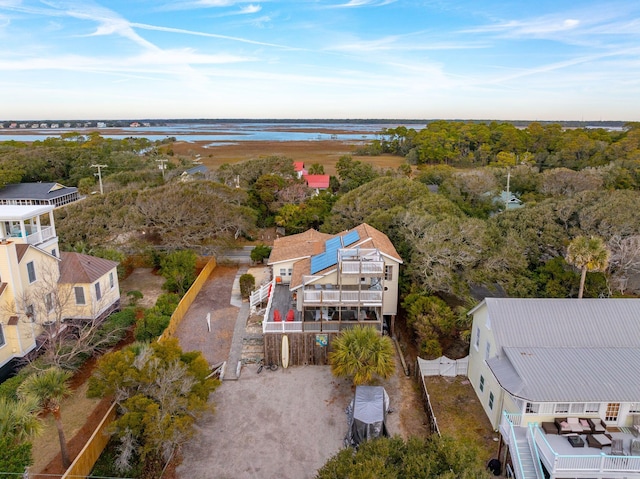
point(569, 374)
point(197, 169)
point(35, 191)
point(566, 350)
point(565, 323)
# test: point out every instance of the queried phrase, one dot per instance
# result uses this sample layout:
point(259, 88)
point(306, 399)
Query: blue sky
point(506, 60)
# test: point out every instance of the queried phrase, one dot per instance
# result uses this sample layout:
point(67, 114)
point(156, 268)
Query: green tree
point(49, 388)
point(361, 353)
point(260, 253)
point(432, 321)
point(160, 392)
point(179, 269)
point(247, 284)
point(416, 458)
point(587, 254)
point(316, 169)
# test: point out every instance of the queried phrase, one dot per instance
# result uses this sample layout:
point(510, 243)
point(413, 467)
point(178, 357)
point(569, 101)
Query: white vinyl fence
point(443, 366)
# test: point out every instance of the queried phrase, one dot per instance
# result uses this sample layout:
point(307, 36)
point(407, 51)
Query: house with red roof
point(317, 182)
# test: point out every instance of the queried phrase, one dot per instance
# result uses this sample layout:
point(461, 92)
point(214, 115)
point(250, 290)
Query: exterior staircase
point(526, 459)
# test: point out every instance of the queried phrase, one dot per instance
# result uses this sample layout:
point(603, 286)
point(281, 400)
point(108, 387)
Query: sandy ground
point(214, 298)
point(143, 280)
point(283, 424)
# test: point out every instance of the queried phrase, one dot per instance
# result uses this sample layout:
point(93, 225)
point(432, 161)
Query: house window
point(98, 292)
point(481, 383)
point(111, 282)
point(487, 351)
point(577, 408)
point(592, 407)
point(79, 290)
point(2, 341)
point(30, 312)
point(491, 400)
point(532, 408)
point(289, 271)
point(477, 344)
point(388, 273)
point(31, 271)
point(561, 408)
point(283, 272)
point(48, 302)
point(634, 407)
point(613, 408)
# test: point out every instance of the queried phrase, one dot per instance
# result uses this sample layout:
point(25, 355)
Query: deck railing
point(362, 267)
point(35, 236)
point(507, 426)
point(321, 296)
point(314, 326)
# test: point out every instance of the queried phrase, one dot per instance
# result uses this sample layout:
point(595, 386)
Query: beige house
point(40, 288)
point(323, 283)
point(558, 379)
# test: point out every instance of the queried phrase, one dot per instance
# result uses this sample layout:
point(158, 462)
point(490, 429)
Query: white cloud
point(364, 3)
point(250, 9)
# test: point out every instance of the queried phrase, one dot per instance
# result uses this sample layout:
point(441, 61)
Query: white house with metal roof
point(534, 363)
point(38, 194)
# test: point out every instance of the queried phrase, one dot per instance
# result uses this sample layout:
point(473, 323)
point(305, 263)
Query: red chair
point(291, 315)
point(276, 316)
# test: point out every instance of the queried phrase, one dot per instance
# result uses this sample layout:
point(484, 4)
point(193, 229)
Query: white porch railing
point(507, 426)
point(260, 294)
point(314, 326)
point(362, 267)
point(282, 327)
point(36, 237)
point(319, 296)
point(537, 465)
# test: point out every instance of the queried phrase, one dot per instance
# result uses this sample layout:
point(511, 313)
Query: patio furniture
point(634, 448)
point(598, 440)
point(549, 428)
point(597, 426)
point(571, 425)
point(617, 448)
point(575, 441)
point(635, 428)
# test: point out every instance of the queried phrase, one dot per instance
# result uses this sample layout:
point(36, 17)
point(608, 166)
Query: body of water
point(220, 133)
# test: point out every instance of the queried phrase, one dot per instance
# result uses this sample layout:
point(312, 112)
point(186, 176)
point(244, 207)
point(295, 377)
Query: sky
point(334, 59)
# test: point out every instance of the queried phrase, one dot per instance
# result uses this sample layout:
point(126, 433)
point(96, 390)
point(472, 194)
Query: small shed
point(367, 415)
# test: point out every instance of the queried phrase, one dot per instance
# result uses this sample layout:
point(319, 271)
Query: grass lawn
point(459, 413)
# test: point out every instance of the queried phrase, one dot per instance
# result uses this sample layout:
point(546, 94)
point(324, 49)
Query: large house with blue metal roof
point(559, 378)
point(324, 283)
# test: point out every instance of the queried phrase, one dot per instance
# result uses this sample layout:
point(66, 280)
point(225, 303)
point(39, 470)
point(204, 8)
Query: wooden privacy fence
point(304, 348)
point(86, 459)
point(188, 299)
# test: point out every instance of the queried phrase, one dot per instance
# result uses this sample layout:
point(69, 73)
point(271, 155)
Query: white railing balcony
point(35, 237)
point(362, 267)
point(282, 327)
point(333, 297)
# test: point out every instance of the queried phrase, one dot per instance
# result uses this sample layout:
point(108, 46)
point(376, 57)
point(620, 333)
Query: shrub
point(134, 296)
point(167, 303)
point(247, 284)
point(151, 325)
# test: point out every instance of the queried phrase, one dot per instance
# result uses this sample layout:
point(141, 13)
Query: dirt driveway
point(284, 424)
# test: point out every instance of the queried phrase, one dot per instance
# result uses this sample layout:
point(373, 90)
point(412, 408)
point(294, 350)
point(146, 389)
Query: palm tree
point(19, 420)
point(361, 353)
point(587, 254)
point(49, 388)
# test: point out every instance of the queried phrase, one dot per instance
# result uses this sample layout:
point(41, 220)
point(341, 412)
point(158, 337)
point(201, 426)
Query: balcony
point(562, 460)
point(35, 236)
point(369, 297)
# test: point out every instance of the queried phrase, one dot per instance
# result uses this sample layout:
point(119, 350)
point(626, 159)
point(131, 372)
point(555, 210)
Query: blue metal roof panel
point(350, 238)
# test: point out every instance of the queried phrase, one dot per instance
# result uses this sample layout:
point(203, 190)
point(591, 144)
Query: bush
point(179, 269)
point(134, 296)
point(260, 253)
point(121, 321)
point(167, 303)
point(9, 387)
point(14, 457)
point(151, 325)
point(247, 285)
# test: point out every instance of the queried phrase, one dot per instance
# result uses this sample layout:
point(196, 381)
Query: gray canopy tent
point(367, 414)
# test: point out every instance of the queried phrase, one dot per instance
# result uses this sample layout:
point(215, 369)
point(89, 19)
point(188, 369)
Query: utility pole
point(99, 175)
point(162, 162)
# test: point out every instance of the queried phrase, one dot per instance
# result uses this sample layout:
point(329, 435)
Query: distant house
point(135, 124)
point(13, 125)
point(544, 369)
point(298, 166)
point(55, 125)
point(40, 288)
point(101, 124)
point(317, 182)
point(199, 171)
point(508, 200)
point(53, 194)
point(67, 125)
